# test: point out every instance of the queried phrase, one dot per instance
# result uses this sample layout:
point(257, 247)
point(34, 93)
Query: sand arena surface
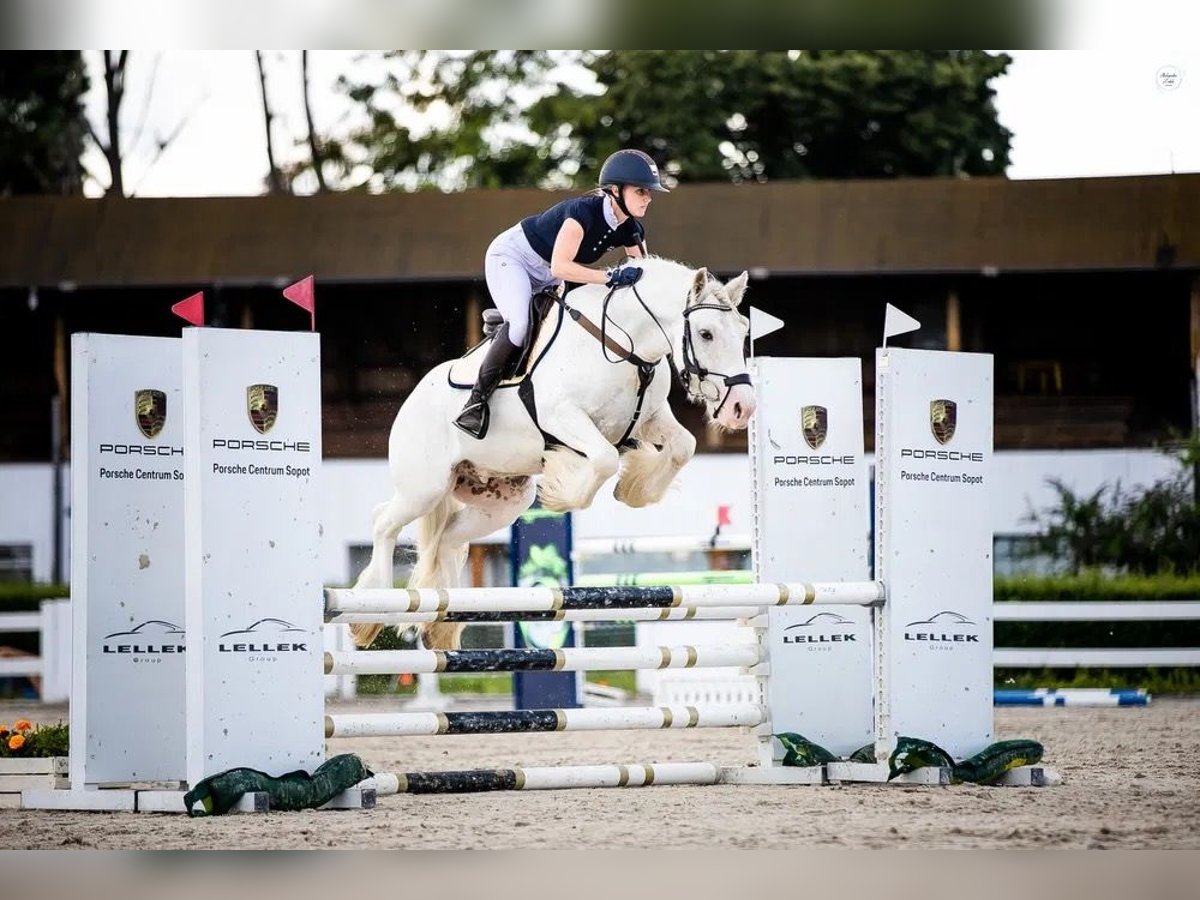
point(1131, 780)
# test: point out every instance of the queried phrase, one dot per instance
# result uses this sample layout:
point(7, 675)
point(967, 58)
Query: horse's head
point(712, 358)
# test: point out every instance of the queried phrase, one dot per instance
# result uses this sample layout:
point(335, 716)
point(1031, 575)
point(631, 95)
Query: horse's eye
point(705, 334)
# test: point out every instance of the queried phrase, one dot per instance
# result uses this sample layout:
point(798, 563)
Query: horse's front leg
point(647, 471)
point(571, 475)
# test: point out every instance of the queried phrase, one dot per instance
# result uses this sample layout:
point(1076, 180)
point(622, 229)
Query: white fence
point(699, 686)
point(1110, 657)
point(51, 668)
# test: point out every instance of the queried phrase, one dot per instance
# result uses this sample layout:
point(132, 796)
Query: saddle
point(464, 370)
point(547, 311)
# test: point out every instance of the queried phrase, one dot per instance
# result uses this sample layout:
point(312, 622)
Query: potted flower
point(32, 756)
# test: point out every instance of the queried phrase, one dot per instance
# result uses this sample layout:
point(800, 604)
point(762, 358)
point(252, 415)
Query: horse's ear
point(699, 281)
point(737, 288)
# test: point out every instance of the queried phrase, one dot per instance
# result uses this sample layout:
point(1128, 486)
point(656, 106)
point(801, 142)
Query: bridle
point(694, 378)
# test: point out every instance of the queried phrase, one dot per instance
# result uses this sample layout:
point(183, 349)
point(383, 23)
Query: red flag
point(723, 516)
point(191, 309)
point(302, 294)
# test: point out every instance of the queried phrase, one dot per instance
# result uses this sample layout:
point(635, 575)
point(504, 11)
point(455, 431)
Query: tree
point(543, 118)
point(314, 145)
point(114, 93)
point(276, 183)
point(441, 119)
point(114, 138)
point(42, 123)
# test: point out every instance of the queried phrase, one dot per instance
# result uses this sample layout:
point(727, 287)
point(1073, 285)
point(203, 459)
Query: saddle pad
point(465, 369)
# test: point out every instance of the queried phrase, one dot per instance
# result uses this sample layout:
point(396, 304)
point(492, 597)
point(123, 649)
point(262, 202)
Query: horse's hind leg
point(486, 505)
point(387, 521)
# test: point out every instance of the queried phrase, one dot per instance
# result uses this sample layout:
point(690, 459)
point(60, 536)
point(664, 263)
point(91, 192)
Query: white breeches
point(514, 272)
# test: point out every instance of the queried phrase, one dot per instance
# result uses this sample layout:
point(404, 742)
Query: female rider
point(554, 246)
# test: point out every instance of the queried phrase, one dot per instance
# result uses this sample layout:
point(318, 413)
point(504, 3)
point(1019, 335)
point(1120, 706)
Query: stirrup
point(464, 420)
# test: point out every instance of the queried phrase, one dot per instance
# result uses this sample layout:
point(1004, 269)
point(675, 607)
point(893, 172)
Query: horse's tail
point(438, 566)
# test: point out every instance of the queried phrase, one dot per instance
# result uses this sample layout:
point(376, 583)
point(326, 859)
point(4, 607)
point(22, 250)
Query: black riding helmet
point(630, 167)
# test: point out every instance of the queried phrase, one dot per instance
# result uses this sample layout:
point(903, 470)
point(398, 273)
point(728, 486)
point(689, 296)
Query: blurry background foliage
point(452, 120)
point(549, 118)
point(42, 126)
point(1151, 530)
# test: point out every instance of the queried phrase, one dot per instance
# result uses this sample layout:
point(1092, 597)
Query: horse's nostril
point(737, 410)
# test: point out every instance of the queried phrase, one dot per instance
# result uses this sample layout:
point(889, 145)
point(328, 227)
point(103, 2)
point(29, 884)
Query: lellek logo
point(262, 637)
point(152, 637)
point(947, 627)
point(823, 628)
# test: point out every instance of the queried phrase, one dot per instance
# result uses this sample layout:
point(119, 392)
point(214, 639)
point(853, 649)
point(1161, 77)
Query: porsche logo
point(943, 419)
point(814, 422)
point(150, 411)
point(262, 405)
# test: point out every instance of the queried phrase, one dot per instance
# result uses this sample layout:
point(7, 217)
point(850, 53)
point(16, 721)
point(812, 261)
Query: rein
point(692, 376)
point(645, 369)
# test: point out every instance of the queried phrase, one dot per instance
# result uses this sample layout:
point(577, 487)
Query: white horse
point(598, 388)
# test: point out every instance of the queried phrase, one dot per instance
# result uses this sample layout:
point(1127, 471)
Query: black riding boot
point(474, 417)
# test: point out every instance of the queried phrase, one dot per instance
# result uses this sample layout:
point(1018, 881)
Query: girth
point(645, 375)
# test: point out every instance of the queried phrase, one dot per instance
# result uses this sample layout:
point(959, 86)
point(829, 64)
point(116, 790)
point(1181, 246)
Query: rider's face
point(637, 199)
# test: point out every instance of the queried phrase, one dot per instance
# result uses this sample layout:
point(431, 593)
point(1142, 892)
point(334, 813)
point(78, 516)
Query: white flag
point(896, 321)
point(762, 324)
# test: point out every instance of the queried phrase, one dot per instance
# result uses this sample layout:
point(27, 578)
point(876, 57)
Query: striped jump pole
point(545, 778)
point(571, 659)
point(1071, 697)
point(547, 599)
point(651, 614)
point(537, 720)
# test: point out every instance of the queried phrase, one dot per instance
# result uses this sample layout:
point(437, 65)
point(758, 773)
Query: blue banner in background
point(540, 555)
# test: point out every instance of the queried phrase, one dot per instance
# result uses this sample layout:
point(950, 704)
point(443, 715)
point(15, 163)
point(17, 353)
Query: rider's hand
point(623, 277)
